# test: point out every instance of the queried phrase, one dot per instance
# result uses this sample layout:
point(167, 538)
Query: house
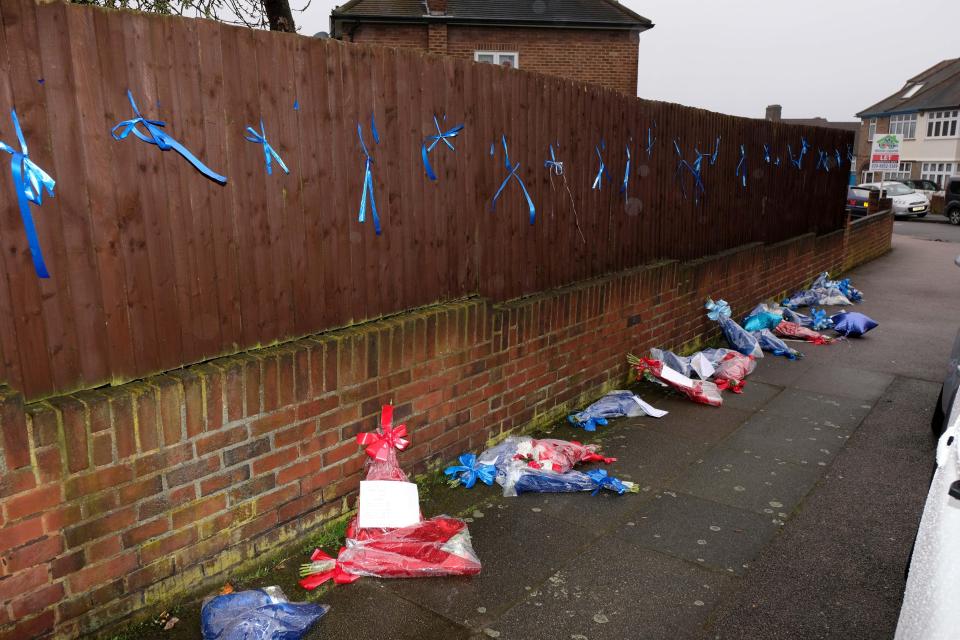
point(925, 111)
point(774, 113)
point(592, 41)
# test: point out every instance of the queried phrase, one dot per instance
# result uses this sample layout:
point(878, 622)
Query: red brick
point(146, 531)
point(280, 496)
point(299, 470)
point(98, 480)
point(233, 389)
point(64, 516)
point(199, 510)
point(92, 576)
point(271, 382)
point(13, 429)
point(14, 535)
point(170, 403)
point(93, 529)
point(252, 386)
point(73, 416)
point(35, 627)
point(103, 549)
point(67, 564)
point(140, 489)
point(193, 404)
point(14, 482)
point(223, 480)
point(251, 489)
point(102, 449)
point(122, 424)
point(286, 378)
point(212, 378)
point(294, 435)
point(156, 549)
point(42, 550)
point(43, 420)
point(272, 422)
point(315, 481)
point(221, 439)
point(31, 502)
point(317, 407)
point(151, 574)
point(331, 381)
point(191, 471)
point(342, 452)
point(274, 460)
point(148, 423)
point(301, 366)
point(23, 582)
point(162, 460)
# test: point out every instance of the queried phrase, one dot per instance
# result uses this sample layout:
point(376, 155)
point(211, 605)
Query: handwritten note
point(388, 504)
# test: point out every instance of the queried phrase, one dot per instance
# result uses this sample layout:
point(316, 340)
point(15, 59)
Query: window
point(942, 124)
point(938, 172)
point(876, 176)
point(503, 58)
point(905, 124)
point(912, 90)
point(873, 129)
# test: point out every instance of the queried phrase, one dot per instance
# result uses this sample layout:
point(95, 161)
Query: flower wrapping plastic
point(739, 339)
point(616, 404)
point(824, 292)
point(776, 346)
point(852, 324)
point(261, 614)
point(732, 370)
point(519, 479)
point(787, 329)
point(549, 454)
point(761, 320)
point(700, 391)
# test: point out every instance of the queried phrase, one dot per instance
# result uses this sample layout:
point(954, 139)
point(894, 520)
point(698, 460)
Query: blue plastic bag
point(776, 346)
point(259, 614)
point(739, 339)
point(761, 320)
point(852, 324)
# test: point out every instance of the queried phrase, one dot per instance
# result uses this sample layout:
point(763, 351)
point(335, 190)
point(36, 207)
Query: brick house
point(926, 112)
point(592, 41)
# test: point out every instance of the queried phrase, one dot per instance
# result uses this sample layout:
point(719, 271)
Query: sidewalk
point(789, 512)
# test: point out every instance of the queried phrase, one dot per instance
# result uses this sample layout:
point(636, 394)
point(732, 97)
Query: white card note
point(388, 504)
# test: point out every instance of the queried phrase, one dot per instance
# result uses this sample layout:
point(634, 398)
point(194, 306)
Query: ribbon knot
point(469, 471)
point(157, 136)
point(378, 445)
point(268, 151)
point(798, 161)
point(602, 171)
point(555, 167)
point(602, 480)
point(718, 309)
point(29, 181)
point(432, 141)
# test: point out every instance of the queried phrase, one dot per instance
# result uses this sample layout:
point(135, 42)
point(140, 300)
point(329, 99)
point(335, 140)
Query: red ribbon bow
point(337, 574)
point(733, 385)
point(378, 444)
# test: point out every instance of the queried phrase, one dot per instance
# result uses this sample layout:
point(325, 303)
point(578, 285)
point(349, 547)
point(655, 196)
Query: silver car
point(906, 201)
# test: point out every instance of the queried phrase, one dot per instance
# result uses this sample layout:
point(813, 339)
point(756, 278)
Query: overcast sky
point(827, 58)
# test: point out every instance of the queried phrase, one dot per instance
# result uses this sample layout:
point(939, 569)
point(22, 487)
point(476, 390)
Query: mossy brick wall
point(114, 500)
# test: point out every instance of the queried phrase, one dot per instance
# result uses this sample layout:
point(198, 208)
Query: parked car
point(928, 188)
point(929, 610)
point(858, 202)
point(951, 200)
point(906, 201)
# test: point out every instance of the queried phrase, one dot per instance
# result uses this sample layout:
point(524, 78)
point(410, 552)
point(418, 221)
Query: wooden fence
point(154, 266)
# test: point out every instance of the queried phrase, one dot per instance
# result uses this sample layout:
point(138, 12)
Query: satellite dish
point(321, 34)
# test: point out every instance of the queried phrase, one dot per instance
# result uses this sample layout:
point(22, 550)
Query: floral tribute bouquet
point(438, 546)
point(738, 337)
point(787, 329)
point(731, 370)
point(700, 391)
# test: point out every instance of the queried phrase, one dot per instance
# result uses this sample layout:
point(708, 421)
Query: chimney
point(436, 7)
point(774, 112)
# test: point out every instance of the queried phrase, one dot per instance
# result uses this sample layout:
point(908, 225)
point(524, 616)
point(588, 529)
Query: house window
point(873, 129)
point(903, 172)
point(942, 124)
point(510, 59)
point(938, 171)
point(905, 124)
point(912, 90)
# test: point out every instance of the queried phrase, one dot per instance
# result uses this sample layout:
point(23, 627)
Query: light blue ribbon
point(718, 309)
point(155, 135)
point(819, 320)
point(798, 161)
point(850, 155)
point(512, 170)
point(836, 153)
point(468, 471)
point(694, 169)
point(590, 424)
point(602, 171)
point(29, 181)
point(602, 480)
point(431, 142)
point(368, 177)
point(651, 139)
point(269, 152)
point(555, 167)
point(624, 188)
point(740, 167)
point(823, 160)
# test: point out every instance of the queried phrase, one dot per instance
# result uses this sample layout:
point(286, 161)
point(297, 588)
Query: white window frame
point(943, 124)
point(939, 172)
point(904, 124)
point(912, 90)
point(497, 57)
point(871, 129)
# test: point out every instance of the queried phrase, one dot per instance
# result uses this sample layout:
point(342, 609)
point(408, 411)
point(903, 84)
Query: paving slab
point(519, 547)
point(758, 483)
point(755, 395)
point(696, 422)
point(779, 371)
point(780, 437)
point(616, 590)
point(846, 381)
point(700, 531)
point(819, 408)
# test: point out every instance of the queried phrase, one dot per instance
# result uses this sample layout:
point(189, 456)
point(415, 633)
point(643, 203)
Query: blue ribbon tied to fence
point(269, 152)
point(431, 142)
point(602, 170)
point(836, 153)
point(553, 165)
point(741, 169)
point(624, 188)
point(368, 177)
point(798, 161)
point(823, 160)
point(29, 181)
point(156, 135)
point(695, 168)
point(850, 154)
point(512, 174)
point(651, 139)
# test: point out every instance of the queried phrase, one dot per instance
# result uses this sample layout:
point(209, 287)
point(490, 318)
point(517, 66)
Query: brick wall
point(114, 500)
point(607, 58)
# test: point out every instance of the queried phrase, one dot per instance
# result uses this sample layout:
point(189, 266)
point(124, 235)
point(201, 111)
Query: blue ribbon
point(836, 153)
point(626, 176)
point(694, 170)
point(716, 152)
point(798, 161)
point(743, 159)
point(718, 309)
point(296, 105)
point(601, 479)
point(29, 181)
point(552, 164)
point(819, 320)
point(823, 160)
point(590, 424)
point(850, 155)
point(155, 135)
point(468, 471)
point(268, 151)
point(602, 171)
point(512, 170)
point(368, 177)
point(651, 139)
point(849, 291)
point(767, 157)
point(431, 142)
